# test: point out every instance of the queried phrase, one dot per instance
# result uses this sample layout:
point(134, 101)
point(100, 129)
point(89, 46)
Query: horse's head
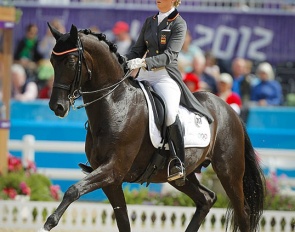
point(65, 56)
point(73, 58)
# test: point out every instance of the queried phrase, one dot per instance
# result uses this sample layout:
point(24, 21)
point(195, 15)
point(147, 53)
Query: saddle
point(160, 157)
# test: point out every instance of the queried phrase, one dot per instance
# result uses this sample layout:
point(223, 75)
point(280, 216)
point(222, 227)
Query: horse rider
point(156, 54)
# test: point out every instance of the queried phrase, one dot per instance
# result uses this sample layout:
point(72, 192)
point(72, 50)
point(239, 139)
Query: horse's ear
point(56, 34)
point(74, 33)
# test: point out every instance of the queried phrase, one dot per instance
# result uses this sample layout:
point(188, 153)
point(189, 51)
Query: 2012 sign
point(227, 42)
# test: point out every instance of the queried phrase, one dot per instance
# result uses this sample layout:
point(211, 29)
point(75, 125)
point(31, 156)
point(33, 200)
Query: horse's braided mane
point(102, 37)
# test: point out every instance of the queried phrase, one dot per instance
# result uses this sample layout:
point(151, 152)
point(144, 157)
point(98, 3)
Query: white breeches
point(166, 87)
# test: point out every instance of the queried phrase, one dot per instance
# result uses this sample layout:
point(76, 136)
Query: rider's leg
point(176, 144)
point(170, 92)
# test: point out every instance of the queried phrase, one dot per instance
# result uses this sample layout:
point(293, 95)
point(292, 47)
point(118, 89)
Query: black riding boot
point(176, 146)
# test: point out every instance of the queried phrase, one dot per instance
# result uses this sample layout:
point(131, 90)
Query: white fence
point(272, 159)
point(28, 146)
point(81, 216)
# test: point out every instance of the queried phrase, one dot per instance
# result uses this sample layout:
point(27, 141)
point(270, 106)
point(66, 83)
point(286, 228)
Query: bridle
point(75, 88)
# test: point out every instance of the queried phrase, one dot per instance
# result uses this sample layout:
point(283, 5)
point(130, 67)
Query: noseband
point(75, 88)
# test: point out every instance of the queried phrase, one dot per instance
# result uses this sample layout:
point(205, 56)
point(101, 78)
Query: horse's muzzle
point(59, 109)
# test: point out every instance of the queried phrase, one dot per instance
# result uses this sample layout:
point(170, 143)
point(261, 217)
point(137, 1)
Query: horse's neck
point(114, 107)
point(105, 102)
point(105, 66)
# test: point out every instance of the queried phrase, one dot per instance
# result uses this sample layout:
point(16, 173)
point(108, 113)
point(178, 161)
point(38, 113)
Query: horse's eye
point(71, 62)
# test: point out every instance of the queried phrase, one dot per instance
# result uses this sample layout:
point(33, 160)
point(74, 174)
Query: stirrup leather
point(178, 175)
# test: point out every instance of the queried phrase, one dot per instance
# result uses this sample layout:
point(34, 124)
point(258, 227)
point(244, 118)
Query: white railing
point(28, 146)
point(270, 158)
point(81, 216)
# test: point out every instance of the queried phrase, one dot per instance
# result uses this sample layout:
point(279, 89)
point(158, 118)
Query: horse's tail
point(253, 184)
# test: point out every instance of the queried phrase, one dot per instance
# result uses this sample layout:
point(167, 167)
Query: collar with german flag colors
point(171, 17)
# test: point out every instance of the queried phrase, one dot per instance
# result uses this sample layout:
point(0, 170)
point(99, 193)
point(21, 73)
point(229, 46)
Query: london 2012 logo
point(227, 42)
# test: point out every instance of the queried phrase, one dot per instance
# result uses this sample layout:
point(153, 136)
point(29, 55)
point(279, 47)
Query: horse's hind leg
point(116, 197)
point(231, 178)
point(203, 198)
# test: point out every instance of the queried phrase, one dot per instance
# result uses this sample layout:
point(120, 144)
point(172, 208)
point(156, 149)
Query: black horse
point(118, 145)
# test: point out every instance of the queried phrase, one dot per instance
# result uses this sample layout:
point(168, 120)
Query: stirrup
point(178, 175)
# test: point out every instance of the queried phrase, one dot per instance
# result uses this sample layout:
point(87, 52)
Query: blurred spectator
point(123, 39)
point(1, 91)
point(192, 81)
point(187, 54)
point(48, 41)
point(225, 92)
point(45, 72)
point(23, 89)
point(211, 65)
point(1, 79)
point(26, 52)
point(46, 90)
point(241, 81)
point(1, 40)
point(98, 1)
point(268, 91)
point(94, 29)
point(207, 82)
point(252, 78)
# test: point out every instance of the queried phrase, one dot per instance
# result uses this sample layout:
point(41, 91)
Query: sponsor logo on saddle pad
point(196, 128)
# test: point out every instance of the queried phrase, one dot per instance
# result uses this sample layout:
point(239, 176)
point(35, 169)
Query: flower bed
point(274, 200)
point(24, 181)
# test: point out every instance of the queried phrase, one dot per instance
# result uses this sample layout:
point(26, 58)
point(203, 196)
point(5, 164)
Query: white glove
point(136, 63)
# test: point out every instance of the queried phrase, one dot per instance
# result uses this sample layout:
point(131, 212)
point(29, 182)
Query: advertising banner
point(267, 37)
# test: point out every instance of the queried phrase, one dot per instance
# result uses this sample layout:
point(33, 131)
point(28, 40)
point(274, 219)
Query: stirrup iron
point(175, 176)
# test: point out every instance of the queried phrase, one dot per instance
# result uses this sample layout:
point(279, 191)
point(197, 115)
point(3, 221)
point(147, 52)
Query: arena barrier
point(281, 161)
point(81, 216)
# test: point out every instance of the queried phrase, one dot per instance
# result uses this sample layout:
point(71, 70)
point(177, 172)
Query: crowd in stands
point(31, 69)
point(241, 86)
point(32, 72)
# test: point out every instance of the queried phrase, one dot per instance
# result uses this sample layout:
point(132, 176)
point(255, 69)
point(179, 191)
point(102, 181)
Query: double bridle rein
point(75, 88)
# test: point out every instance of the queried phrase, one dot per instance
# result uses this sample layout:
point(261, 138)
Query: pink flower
point(31, 166)
point(10, 192)
point(54, 190)
point(25, 189)
point(14, 163)
point(272, 184)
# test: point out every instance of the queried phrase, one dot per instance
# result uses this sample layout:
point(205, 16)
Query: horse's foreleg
point(116, 197)
point(203, 198)
point(99, 178)
point(70, 196)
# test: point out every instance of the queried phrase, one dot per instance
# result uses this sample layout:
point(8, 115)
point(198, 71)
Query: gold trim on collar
point(173, 18)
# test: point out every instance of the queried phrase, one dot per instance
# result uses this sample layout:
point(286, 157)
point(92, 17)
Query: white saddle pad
point(197, 130)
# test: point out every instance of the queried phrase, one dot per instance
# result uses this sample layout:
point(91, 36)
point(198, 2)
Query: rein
point(75, 87)
point(114, 86)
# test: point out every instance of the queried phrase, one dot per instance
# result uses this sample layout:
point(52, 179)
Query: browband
point(65, 52)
